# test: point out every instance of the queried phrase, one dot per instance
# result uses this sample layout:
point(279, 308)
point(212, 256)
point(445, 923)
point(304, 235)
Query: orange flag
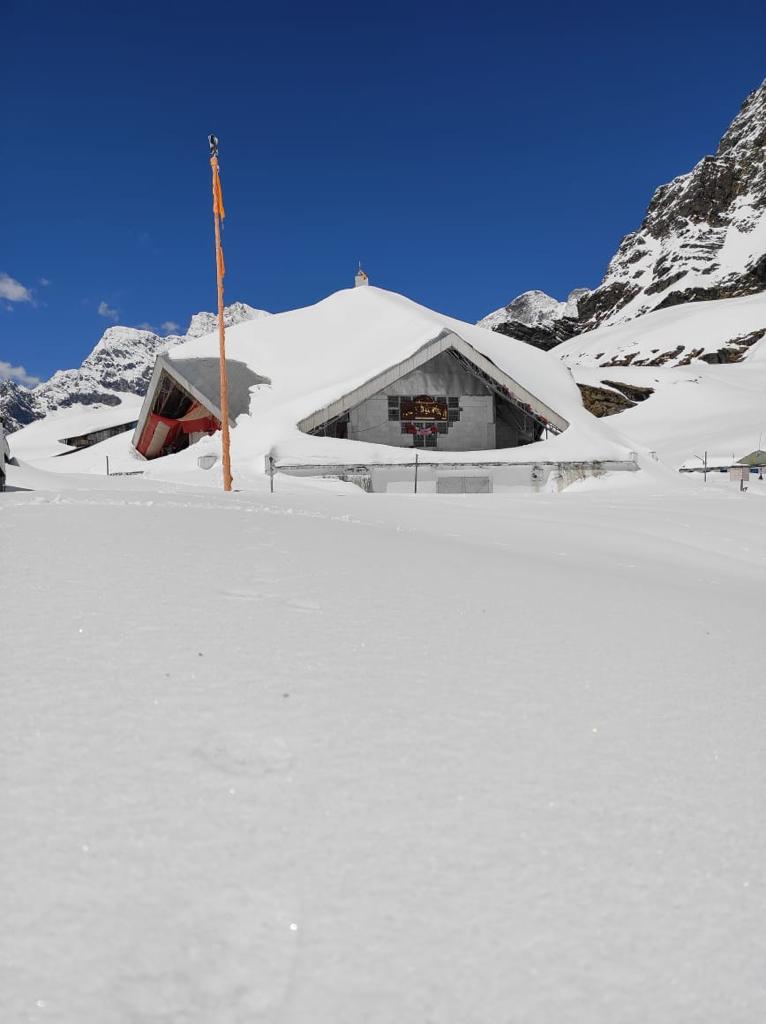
point(217, 193)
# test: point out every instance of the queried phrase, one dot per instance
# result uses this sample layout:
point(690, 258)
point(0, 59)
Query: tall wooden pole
point(218, 215)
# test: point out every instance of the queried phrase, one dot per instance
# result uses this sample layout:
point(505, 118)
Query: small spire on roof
point(361, 278)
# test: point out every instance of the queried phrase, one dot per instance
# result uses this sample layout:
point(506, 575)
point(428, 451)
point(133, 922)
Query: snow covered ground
point(695, 408)
point(719, 409)
point(332, 757)
point(677, 332)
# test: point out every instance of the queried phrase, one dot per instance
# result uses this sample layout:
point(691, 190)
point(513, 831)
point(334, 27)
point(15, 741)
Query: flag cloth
point(219, 212)
point(217, 193)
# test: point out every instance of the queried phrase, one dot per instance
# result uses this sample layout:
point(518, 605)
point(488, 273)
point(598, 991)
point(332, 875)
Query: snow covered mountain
point(703, 237)
point(537, 318)
point(704, 234)
point(207, 323)
point(120, 364)
point(17, 405)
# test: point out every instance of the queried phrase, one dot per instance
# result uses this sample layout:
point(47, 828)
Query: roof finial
point(361, 278)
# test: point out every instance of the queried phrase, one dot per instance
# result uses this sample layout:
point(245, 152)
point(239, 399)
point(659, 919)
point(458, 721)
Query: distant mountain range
point(121, 363)
point(703, 237)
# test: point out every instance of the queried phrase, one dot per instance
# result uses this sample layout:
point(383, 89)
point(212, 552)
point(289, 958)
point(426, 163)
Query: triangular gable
point(756, 458)
point(200, 379)
point(442, 343)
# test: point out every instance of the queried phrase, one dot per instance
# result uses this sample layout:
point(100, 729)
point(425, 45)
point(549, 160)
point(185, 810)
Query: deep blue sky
point(465, 152)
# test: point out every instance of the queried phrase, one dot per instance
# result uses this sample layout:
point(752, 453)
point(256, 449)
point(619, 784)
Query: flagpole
point(218, 215)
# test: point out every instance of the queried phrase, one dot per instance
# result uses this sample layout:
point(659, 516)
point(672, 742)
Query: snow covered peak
point(120, 363)
point(116, 338)
point(532, 308)
point(748, 129)
point(206, 323)
point(536, 317)
point(537, 309)
point(121, 354)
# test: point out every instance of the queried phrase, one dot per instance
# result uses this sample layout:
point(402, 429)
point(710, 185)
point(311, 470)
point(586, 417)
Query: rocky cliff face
point(121, 363)
point(703, 237)
point(17, 406)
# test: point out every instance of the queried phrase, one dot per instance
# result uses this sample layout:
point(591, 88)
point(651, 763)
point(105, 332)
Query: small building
point(755, 461)
point(91, 437)
point(183, 401)
point(713, 464)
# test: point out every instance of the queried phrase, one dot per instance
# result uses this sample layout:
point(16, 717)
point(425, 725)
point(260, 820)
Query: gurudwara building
point(362, 383)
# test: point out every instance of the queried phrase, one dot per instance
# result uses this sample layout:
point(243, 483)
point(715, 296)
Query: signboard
point(423, 407)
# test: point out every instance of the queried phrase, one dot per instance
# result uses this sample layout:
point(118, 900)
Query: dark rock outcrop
point(616, 397)
point(17, 406)
point(542, 335)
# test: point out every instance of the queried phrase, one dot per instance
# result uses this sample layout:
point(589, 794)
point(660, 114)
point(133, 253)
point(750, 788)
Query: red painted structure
point(163, 435)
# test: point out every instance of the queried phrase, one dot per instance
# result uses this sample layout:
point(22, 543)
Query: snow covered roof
point(200, 376)
point(318, 355)
point(444, 341)
point(696, 463)
point(42, 438)
point(756, 458)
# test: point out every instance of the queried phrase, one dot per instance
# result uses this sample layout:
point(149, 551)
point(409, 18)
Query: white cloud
point(145, 326)
point(17, 373)
point(44, 282)
point(13, 290)
point(105, 311)
point(170, 326)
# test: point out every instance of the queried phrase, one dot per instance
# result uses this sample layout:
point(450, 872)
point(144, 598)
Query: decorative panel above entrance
point(423, 407)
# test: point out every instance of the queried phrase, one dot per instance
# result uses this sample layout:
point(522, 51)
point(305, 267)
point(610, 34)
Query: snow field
point(322, 757)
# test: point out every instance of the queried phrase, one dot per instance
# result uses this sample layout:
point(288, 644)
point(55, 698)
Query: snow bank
point(705, 326)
